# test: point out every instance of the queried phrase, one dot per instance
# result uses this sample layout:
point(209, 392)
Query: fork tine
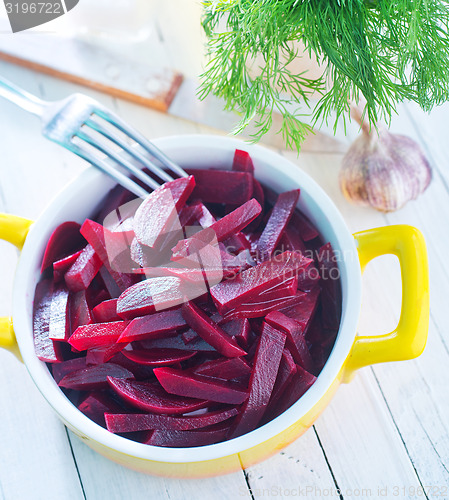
point(147, 180)
point(139, 138)
point(102, 165)
point(146, 162)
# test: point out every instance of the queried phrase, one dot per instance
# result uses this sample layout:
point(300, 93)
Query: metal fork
point(88, 129)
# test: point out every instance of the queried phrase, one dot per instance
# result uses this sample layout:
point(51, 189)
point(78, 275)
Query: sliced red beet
point(186, 439)
point(141, 372)
point(287, 370)
point(60, 370)
point(94, 377)
point(263, 377)
point(242, 162)
point(159, 356)
point(46, 349)
point(100, 355)
point(106, 311)
point(183, 341)
point(97, 335)
point(153, 326)
point(210, 331)
point(238, 328)
point(103, 242)
point(299, 384)
point(291, 240)
point(65, 239)
point(295, 338)
point(220, 230)
point(330, 287)
point(186, 384)
point(306, 229)
point(96, 404)
point(144, 256)
point(222, 186)
point(203, 215)
point(154, 294)
point(225, 368)
point(143, 422)
point(60, 267)
point(59, 326)
point(302, 308)
point(229, 294)
point(83, 270)
point(259, 195)
point(79, 310)
point(149, 396)
point(157, 212)
point(270, 300)
point(274, 229)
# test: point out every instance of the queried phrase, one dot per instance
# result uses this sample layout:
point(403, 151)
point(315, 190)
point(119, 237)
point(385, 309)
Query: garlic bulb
point(384, 170)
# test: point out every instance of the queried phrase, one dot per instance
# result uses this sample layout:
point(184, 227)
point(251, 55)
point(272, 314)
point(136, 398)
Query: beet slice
point(279, 218)
point(79, 310)
point(159, 356)
point(94, 377)
point(186, 439)
point(153, 326)
point(306, 229)
point(96, 404)
point(302, 308)
point(220, 230)
point(83, 270)
point(106, 311)
point(60, 370)
point(186, 384)
point(210, 331)
point(157, 212)
point(100, 355)
point(251, 283)
point(195, 343)
point(141, 372)
point(59, 326)
point(287, 370)
point(238, 328)
point(222, 186)
point(300, 383)
point(46, 349)
point(60, 267)
point(64, 240)
point(279, 296)
point(242, 162)
point(330, 287)
point(155, 294)
point(149, 396)
point(263, 377)
point(203, 215)
point(143, 422)
point(104, 243)
point(224, 368)
point(97, 335)
point(291, 240)
point(295, 338)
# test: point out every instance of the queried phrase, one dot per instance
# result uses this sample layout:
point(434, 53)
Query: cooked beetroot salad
point(192, 317)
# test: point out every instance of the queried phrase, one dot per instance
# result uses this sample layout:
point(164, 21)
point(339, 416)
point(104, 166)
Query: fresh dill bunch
point(380, 52)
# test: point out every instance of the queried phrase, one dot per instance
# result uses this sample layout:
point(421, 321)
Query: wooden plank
point(95, 67)
point(300, 470)
point(105, 479)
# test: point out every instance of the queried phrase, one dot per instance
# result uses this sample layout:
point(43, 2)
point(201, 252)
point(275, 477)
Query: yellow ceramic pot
point(83, 196)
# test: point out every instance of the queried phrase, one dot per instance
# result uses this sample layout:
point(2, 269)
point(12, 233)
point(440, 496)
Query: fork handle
point(21, 98)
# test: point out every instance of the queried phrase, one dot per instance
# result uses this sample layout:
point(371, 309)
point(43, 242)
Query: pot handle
point(13, 229)
point(408, 340)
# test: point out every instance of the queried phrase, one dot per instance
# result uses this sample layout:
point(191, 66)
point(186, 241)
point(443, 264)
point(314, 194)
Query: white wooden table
point(384, 435)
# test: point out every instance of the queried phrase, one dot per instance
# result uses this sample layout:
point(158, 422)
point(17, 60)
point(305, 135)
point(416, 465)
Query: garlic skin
point(384, 170)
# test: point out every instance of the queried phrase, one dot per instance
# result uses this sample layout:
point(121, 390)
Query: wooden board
point(150, 84)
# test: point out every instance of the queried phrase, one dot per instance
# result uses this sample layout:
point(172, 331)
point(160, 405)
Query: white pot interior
point(81, 198)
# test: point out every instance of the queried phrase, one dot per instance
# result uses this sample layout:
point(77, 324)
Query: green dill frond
point(380, 51)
